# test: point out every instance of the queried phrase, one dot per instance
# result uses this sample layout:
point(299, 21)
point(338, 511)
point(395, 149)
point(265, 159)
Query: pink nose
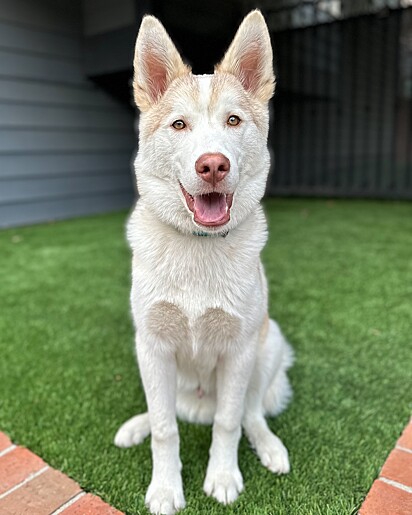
point(212, 168)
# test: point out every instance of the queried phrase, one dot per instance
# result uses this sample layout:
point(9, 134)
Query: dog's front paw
point(273, 454)
point(165, 499)
point(223, 485)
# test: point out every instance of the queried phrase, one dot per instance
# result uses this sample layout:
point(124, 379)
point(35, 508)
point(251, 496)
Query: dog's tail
point(279, 393)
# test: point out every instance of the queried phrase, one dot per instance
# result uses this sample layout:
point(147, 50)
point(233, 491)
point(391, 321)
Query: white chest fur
point(199, 295)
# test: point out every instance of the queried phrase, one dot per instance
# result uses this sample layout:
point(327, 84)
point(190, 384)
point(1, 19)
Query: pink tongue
point(210, 208)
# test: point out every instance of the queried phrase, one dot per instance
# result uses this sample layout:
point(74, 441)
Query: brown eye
point(179, 125)
point(233, 120)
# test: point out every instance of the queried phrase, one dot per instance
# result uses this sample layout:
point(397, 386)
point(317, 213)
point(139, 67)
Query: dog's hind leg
point(273, 359)
point(133, 432)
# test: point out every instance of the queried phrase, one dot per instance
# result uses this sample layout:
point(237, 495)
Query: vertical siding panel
point(348, 130)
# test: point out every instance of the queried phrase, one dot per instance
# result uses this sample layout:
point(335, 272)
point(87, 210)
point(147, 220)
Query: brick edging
point(28, 485)
point(391, 493)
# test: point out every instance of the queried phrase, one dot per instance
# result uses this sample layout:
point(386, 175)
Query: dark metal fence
point(342, 123)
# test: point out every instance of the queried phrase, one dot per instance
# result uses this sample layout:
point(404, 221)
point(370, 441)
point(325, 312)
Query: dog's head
point(203, 158)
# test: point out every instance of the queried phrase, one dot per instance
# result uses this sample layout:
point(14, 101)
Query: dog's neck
point(144, 226)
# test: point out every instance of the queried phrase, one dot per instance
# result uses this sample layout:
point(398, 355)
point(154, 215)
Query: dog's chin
point(210, 211)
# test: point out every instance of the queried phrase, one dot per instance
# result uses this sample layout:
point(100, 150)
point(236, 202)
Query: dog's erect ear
point(249, 57)
point(156, 63)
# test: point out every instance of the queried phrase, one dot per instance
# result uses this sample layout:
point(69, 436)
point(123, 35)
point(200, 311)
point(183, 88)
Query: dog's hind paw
point(224, 486)
point(273, 454)
point(133, 432)
point(164, 500)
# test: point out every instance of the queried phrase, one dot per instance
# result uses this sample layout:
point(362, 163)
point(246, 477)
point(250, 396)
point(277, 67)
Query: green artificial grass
point(340, 286)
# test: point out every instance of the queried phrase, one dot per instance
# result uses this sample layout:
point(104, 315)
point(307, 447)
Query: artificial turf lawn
point(340, 286)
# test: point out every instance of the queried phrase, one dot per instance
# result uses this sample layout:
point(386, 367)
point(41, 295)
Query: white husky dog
point(206, 348)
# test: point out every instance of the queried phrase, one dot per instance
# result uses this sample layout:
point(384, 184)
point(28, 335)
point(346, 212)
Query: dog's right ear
point(156, 63)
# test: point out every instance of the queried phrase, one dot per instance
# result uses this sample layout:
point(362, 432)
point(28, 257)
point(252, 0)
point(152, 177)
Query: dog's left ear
point(250, 57)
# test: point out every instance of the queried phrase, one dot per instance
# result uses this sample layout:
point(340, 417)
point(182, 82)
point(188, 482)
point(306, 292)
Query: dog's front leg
point(158, 372)
point(223, 478)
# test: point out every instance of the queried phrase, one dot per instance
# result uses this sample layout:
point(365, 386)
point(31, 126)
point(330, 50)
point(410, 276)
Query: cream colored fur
point(206, 349)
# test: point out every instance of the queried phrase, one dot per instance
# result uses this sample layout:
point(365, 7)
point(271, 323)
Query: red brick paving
point(391, 494)
point(29, 487)
point(16, 466)
point(90, 505)
point(385, 499)
point(398, 467)
point(406, 438)
point(41, 496)
point(4, 442)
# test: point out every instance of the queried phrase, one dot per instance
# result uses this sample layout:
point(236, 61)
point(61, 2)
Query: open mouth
point(211, 209)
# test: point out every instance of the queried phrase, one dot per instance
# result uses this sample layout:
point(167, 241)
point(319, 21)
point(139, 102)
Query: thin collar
point(208, 235)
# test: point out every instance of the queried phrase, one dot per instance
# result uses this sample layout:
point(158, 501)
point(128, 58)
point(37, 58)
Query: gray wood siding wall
point(65, 146)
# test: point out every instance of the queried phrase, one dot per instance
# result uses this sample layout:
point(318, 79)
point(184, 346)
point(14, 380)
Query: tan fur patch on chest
point(217, 327)
point(167, 322)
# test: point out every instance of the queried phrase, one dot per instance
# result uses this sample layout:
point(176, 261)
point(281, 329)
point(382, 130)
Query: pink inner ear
point(156, 75)
point(250, 67)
